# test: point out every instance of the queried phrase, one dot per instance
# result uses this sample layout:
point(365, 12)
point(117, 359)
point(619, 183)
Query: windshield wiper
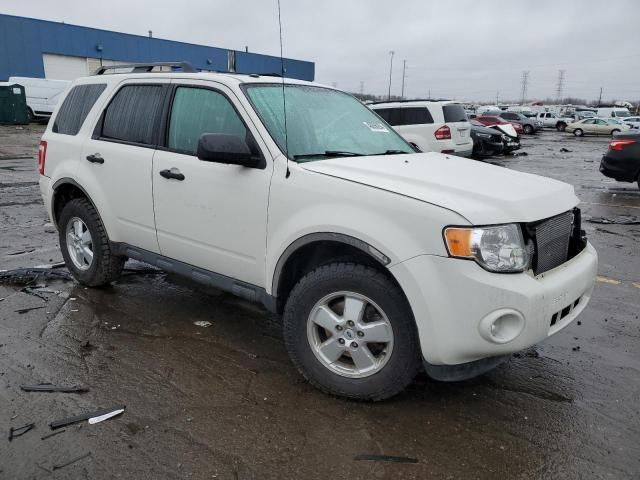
point(328, 153)
point(391, 152)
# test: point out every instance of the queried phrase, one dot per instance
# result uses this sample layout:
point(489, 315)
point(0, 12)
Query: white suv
point(440, 126)
point(382, 260)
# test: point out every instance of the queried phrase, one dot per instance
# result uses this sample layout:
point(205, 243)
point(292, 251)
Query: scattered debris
point(20, 252)
point(53, 434)
point(202, 323)
point(20, 311)
point(15, 432)
point(601, 279)
point(48, 387)
point(72, 461)
point(386, 458)
point(621, 220)
point(28, 276)
point(31, 291)
point(92, 417)
point(565, 150)
point(576, 349)
point(49, 228)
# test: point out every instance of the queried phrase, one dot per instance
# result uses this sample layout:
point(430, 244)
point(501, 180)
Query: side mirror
point(225, 148)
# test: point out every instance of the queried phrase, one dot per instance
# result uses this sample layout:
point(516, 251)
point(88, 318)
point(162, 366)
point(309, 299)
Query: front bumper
point(453, 298)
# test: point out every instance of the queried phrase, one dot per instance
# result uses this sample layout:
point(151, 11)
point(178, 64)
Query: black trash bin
point(13, 104)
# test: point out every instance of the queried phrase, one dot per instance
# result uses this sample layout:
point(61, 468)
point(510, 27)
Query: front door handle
point(174, 174)
point(95, 158)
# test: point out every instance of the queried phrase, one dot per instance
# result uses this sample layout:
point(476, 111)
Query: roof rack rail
point(146, 67)
point(412, 100)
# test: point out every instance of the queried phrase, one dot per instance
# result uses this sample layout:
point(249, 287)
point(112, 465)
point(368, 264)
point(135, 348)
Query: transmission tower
point(560, 85)
point(525, 81)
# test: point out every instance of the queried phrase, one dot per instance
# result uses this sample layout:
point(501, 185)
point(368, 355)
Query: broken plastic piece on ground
point(565, 150)
point(72, 461)
point(15, 432)
point(386, 458)
point(105, 412)
point(48, 387)
point(621, 220)
point(27, 276)
point(202, 323)
point(20, 311)
point(21, 252)
point(53, 434)
point(106, 416)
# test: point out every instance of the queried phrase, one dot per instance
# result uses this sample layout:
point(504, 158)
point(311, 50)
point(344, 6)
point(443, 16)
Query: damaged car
point(382, 261)
point(509, 139)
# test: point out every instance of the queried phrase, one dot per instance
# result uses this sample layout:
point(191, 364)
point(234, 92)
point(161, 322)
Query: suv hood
point(482, 193)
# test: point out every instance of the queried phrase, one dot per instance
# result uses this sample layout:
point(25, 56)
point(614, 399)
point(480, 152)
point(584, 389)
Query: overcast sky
point(468, 50)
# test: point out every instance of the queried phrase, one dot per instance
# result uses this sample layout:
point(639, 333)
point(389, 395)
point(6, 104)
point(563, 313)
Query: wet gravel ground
point(224, 401)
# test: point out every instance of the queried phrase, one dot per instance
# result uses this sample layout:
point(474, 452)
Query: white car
point(633, 122)
point(431, 126)
point(380, 259)
point(42, 94)
point(553, 120)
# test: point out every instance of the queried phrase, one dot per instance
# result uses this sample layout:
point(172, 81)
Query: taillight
point(620, 144)
point(42, 156)
point(443, 133)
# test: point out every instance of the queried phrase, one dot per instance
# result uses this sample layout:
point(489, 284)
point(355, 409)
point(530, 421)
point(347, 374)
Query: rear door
point(414, 123)
point(116, 161)
point(456, 118)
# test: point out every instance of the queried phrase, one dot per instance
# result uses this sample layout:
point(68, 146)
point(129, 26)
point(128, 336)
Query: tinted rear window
point(405, 116)
point(75, 108)
point(134, 113)
point(454, 113)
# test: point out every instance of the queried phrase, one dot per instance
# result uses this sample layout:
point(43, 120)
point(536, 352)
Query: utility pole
point(404, 68)
point(429, 97)
point(525, 81)
point(560, 85)
point(390, 72)
point(600, 97)
point(497, 93)
point(361, 88)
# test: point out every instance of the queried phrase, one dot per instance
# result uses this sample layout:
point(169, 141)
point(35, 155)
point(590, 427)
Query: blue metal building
point(44, 49)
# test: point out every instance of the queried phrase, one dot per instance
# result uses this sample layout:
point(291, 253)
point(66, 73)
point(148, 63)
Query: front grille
point(556, 239)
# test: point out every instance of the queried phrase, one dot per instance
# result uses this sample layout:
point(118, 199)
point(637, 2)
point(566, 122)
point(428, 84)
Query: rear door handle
point(95, 158)
point(173, 173)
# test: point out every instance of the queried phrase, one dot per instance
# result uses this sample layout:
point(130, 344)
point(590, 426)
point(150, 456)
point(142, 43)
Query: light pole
point(390, 72)
point(404, 69)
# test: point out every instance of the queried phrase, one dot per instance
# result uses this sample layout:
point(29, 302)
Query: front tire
point(578, 132)
point(350, 332)
point(561, 126)
point(528, 129)
point(85, 245)
point(614, 131)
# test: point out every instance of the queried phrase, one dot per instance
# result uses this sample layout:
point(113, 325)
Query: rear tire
point(85, 245)
point(528, 129)
point(315, 318)
point(561, 126)
point(578, 132)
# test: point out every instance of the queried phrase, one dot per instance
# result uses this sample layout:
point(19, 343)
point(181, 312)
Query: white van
point(42, 94)
point(431, 126)
point(615, 112)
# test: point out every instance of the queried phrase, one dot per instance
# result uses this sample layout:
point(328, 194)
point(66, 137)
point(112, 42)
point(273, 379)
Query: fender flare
point(323, 236)
point(71, 181)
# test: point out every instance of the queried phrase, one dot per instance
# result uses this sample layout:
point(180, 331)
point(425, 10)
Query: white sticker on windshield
point(376, 127)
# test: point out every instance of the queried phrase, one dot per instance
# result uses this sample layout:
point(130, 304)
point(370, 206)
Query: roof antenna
point(284, 100)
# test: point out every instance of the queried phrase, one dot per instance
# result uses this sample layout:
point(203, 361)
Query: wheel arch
point(316, 249)
point(64, 190)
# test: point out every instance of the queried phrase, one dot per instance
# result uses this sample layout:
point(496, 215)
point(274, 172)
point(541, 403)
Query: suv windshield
point(322, 123)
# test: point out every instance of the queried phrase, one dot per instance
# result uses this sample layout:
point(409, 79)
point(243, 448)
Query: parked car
point(486, 141)
point(633, 122)
point(615, 112)
point(622, 160)
point(42, 95)
point(529, 125)
point(491, 120)
point(552, 120)
point(582, 114)
point(596, 126)
point(379, 258)
point(431, 126)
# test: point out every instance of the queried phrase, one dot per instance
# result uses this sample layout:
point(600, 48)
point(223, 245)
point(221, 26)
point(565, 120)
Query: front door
point(214, 216)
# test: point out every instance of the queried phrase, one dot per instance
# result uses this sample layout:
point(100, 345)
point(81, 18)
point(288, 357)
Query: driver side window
point(199, 110)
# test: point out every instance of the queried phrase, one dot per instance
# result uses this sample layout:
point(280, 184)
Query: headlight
point(497, 249)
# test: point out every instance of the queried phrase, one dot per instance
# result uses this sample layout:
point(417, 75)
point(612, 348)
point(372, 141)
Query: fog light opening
point(502, 326)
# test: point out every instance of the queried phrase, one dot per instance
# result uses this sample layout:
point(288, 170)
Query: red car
point(489, 120)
